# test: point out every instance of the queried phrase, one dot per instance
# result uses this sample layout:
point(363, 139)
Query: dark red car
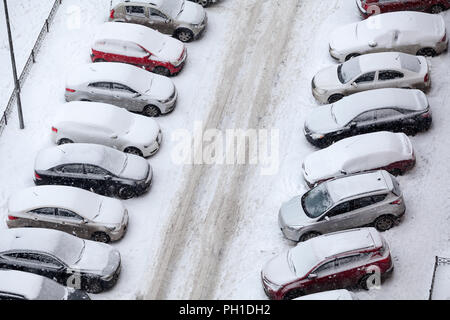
point(329, 262)
point(371, 7)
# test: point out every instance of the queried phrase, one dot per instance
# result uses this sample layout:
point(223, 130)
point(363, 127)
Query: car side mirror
point(327, 218)
point(108, 178)
point(354, 85)
point(312, 276)
point(168, 21)
point(373, 44)
point(344, 172)
point(137, 95)
point(115, 137)
point(353, 125)
point(85, 221)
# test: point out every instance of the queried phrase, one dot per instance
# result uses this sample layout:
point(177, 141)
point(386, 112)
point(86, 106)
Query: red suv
point(140, 46)
point(370, 7)
point(333, 261)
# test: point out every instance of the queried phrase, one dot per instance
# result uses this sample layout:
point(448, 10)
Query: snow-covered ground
point(206, 231)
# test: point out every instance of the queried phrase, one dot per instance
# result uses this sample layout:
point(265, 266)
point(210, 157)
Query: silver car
point(180, 18)
point(122, 85)
point(350, 202)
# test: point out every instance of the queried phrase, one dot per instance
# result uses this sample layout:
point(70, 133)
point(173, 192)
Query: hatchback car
point(370, 7)
point(73, 262)
point(383, 150)
point(348, 202)
point(18, 285)
point(105, 124)
point(124, 86)
point(415, 33)
point(94, 167)
point(76, 211)
point(333, 261)
point(397, 110)
point(140, 46)
point(181, 19)
point(371, 71)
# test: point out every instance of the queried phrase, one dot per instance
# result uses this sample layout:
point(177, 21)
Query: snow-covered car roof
point(98, 155)
point(133, 77)
point(349, 186)
point(389, 60)
point(30, 286)
point(60, 244)
point(82, 202)
point(351, 106)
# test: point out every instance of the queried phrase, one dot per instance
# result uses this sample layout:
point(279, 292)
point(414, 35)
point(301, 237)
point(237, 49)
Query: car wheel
point(427, 52)
point(203, 3)
point(293, 294)
point(335, 97)
point(363, 283)
point(64, 141)
point(126, 193)
point(133, 150)
point(151, 111)
point(396, 172)
point(94, 286)
point(384, 223)
point(184, 35)
point(410, 131)
point(351, 56)
point(161, 71)
point(99, 60)
point(101, 237)
point(309, 236)
point(436, 9)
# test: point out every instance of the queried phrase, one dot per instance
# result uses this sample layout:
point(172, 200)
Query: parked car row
point(56, 246)
point(375, 98)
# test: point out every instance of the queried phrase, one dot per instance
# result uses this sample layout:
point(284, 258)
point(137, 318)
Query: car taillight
point(54, 130)
point(70, 90)
point(38, 177)
point(12, 218)
point(426, 115)
point(397, 202)
point(112, 14)
point(427, 77)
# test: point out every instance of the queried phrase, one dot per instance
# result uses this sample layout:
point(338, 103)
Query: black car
point(396, 110)
point(97, 168)
point(72, 262)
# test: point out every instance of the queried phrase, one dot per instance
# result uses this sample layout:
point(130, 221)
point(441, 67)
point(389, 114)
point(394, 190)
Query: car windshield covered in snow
point(317, 201)
point(70, 249)
point(302, 259)
point(349, 70)
point(410, 62)
point(172, 7)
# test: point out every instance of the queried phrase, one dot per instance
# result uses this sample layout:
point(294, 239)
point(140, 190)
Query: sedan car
point(383, 150)
point(371, 7)
point(73, 262)
point(105, 124)
point(415, 33)
point(18, 285)
point(371, 71)
point(140, 46)
point(124, 86)
point(181, 19)
point(94, 167)
point(329, 262)
point(76, 211)
point(348, 202)
point(397, 110)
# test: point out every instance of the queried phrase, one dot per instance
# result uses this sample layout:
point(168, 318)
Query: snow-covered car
point(140, 46)
point(382, 150)
point(333, 295)
point(73, 262)
point(397, 110)
point(76, 211)
point(181, 19)
point(94, 167)
point(348, 202)
point(204, 3)
point(415, 33)
point(105, 124)
point(371, 71)
point(18, 285)
point(122, 85)
point(332, 261)
point(373, 7)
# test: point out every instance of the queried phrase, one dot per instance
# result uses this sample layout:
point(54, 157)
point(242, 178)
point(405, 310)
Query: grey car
point(181, 19)
point(354, 201)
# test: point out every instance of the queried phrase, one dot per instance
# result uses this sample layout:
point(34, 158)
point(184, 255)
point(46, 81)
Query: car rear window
point(410, 63)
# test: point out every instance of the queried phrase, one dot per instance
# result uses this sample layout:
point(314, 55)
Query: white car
point(122, 85)
point(76, 211)
point(99, 123)
point(342, 294)
point(383, 150)
point(18, 285)
point(371, 71)
point(415, 33)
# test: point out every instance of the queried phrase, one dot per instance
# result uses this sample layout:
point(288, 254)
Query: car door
point(390, 79)
point(44, 218)
point(99, 179)
point(137, 14)
point(34, 262)
point(71, 222)
point(364, 123)
point(362, 83)
point(324, 277)
point(100, 92)
point(331, 221)
point(125, 97)
point(389, 119)
point(72, 175)
point(349, 270)
point(363, 212)
point(160, 21)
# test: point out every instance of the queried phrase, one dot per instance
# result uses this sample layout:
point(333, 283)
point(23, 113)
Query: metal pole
point(13, 63)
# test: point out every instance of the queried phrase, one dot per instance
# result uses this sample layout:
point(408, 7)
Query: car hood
point(162, 88)
point(293, 215)
point(95, 257)
point(143, 132)
point(319, 166)
point(111, 212)
point(278, 270)
point(344, 39)
point(327, 79)
point(172, 50)
point(321, 120)
point(137, 168)
point(193, 13)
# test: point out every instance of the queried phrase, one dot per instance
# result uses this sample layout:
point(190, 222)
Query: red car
point(370, 7)
point(329, 262)
point(140, 46)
